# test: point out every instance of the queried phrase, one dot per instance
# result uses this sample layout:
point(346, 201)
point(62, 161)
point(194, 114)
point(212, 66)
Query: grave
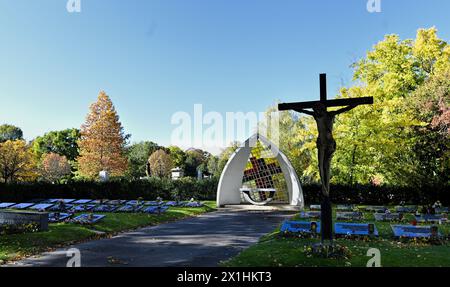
point(105, 208)
point(67, 201)
point(388, 216)
point(99, 201)
point(42, 206)
point(82, 208)
point(134, 202)
point(315, 207)
point(359, 229)
point(153, 203)
point(128, 208)
point(411, 231)
point(116, 202)
point(300, 227)
point(441, 209)
point(55, 217)
point(406, 209)
point(61, 207)
point(431, 218)
point(355, 215)
point(82, 201)
point(345, 207)
point(51, 200)
point(25, 217)
point(88, 218)
point(155, 209)
point(5, 205)
point(173, 203)
point(310, 214)
point(193, 204)
point(375, 209)
point(21, 206)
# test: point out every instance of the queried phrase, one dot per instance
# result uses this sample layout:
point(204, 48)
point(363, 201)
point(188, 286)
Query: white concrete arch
point(230, 182)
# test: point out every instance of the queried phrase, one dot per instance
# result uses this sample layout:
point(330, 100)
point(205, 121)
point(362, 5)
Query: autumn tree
point(102, 141)
point(53, 167)
point(138, 154)
point(16, 162)
point(160, 164)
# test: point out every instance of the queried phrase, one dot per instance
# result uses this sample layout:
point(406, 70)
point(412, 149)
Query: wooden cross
point(326, 145)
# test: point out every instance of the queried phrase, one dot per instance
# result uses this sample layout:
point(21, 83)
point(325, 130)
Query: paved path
point(200, 241)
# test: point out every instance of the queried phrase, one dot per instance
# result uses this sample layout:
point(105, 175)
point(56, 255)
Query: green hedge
point(186, 188)
point(148, 189)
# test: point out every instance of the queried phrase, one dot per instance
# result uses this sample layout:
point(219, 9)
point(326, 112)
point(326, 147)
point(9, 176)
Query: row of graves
point(90, 211)
point(350, 221)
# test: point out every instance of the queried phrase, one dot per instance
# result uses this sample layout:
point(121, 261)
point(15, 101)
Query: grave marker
point(411, 231)
point(355, 215)
point(300, 227)
point(358, 229)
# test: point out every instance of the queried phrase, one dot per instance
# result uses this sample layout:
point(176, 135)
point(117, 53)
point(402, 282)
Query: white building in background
point(177, 173)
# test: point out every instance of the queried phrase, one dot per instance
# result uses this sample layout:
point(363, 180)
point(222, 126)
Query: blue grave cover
point(88, 218)
point(431, 217)
point(315, 207)
point(356, 215)
point(388, 216)
point(298, 227)
point(153, 203)
point(22, 205)
point(310, 214)
point(406, 209)
point(82, 201)
point(411, 231)
point(353, 229)
point(68, 200)
point(105, 208)
point(58, 207)
point(193, 204)
point(42, 206)
point(155, 209)
point(4, 205)
point(128, 208)
point(82, 207)
point(345, 207)
point(441, 210)
point(116, 202)
point(58, 217)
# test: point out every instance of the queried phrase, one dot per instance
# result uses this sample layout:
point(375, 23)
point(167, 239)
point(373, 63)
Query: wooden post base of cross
point(326, 218)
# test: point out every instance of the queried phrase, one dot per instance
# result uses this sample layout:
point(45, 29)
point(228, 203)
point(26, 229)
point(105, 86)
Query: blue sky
point(157, 57)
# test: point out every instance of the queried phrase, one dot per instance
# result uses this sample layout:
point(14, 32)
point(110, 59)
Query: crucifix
point(326, 145)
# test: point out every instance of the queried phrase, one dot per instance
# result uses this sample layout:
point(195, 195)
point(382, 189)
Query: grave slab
point(42, 206)
point(22, 206)
point(355, 215)
point(441, 210)
point(375, 209)
point(55, 217)
point(411, 231)
point(310, 214)
point(4, 205)
point(193, 204)
point(88, 218)
point(82, 207)
point(388, 216)
point(155, 209)
point(299, 227)
point(345, 207)
point(82, 201)
point(406, 209)
point(431, 218)
point(359, 229)
point(105, 208)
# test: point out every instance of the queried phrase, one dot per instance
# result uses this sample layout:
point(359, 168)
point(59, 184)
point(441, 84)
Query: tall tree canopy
point(138, 155)
point(381, 144)
point(10, 133)
point(102, 142)
point(62, 142)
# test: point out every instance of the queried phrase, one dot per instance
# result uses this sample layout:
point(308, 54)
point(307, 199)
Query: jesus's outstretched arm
point(310, 113)
point(343, 110)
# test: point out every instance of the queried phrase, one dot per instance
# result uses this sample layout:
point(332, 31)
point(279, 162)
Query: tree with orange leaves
point(102, 141)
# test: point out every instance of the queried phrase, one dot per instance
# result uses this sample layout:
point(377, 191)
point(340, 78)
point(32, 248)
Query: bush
point(186, 188)
point(148, 189)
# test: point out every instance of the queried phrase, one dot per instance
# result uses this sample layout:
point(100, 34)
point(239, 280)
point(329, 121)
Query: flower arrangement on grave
point(8, 229)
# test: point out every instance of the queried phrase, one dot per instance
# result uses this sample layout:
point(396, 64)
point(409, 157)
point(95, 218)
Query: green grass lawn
point(16, 246)
point(276, 250)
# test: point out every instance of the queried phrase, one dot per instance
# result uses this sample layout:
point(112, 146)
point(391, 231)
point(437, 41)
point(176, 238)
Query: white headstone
point(104, 176)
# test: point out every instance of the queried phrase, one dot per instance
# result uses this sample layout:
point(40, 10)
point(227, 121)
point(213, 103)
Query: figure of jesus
point(326, 145)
